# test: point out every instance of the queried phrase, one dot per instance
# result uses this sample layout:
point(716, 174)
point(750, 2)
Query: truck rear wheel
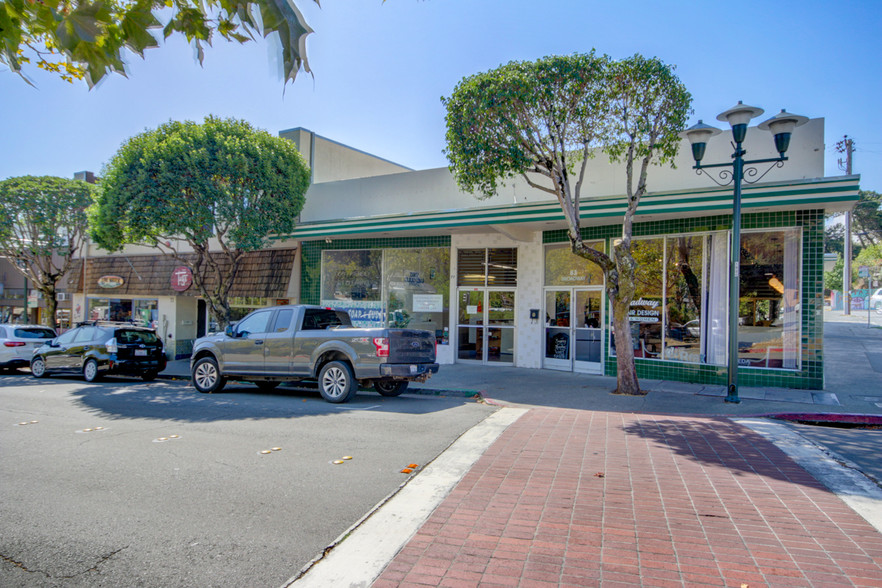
point(206, 376)
point(336, 382)
point(390, 387)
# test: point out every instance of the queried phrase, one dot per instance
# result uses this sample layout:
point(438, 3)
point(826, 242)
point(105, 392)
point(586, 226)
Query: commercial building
point(495, 279)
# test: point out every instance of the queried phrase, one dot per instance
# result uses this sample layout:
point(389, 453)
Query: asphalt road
point(170, 488)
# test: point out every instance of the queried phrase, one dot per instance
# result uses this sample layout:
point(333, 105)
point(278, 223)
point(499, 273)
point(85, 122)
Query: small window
point(254, 323)
point(86, 334)
point(323, 318)
point(283, 320)
point(126, 337)
point(68, 337)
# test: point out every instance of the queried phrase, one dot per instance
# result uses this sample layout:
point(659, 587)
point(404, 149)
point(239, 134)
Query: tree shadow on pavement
point(713, 443)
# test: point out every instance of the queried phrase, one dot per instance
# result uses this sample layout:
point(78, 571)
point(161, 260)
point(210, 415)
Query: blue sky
point(381, 68)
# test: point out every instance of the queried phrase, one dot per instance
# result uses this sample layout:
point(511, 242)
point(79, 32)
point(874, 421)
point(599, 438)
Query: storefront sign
point(645, 311)
point(181, 278)
point(110, 282)
point(428, 303)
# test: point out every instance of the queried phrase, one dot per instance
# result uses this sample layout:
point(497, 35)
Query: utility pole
point(846, 146)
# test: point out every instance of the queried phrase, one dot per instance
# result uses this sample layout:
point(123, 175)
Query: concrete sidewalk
point(676, 488)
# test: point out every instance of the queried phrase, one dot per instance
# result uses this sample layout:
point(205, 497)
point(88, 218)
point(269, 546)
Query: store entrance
point(574, 329)
point(485, 329)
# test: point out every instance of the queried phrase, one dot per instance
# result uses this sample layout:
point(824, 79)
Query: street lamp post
point(781, 126)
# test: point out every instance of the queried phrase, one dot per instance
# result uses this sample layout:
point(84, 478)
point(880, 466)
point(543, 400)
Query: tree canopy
point(543, 120)
point(89, 39)
point(43, 225)
point(185, 187)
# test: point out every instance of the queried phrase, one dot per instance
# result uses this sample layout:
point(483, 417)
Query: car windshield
point(128, 337)
point(33, 333)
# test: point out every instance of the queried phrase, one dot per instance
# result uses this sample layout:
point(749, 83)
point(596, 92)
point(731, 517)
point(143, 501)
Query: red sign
point(181, 278)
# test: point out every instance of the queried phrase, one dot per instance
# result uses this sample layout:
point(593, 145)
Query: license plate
point(141, 352)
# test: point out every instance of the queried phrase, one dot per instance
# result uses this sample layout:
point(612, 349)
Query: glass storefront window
point(683, 296)
point(645, 314)
point(417, 287)
point(769, 307)
point(399, 288)
point(142, 312)
point(564, 268)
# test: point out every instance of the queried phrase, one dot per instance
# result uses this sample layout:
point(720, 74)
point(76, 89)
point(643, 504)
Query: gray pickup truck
point(304, 342)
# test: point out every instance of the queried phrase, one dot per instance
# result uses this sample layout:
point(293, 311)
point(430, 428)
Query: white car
point(876, 300)
point(17, 344)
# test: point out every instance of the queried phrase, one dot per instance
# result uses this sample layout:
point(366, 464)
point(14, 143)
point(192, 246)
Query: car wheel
point(267, 386)
point(38, 367)
point(90, 370)
point(206, 376)
point(149, 376)
point(390, 387)
point(336, 382)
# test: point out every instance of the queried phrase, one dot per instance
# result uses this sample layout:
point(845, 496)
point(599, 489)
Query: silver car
point(17, 344)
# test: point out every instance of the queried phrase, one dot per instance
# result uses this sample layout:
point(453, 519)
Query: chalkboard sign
point(560, 346)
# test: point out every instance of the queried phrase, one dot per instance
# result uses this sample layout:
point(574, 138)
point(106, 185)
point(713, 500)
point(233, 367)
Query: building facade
point(496, 281)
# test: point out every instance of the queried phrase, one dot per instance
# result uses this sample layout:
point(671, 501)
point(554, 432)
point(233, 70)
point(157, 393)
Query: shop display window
point(680, 307)
point(398, 288)
point(769, 306)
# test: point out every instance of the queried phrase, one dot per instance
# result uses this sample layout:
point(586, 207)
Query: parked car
point(305, 342)
point(876, 300)
point(18, 342)
point(97, 349)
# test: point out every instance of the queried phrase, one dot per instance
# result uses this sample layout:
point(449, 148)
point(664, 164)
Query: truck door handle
point(258, 341)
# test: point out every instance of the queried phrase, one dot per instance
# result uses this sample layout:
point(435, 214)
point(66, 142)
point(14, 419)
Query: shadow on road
point(129, 398)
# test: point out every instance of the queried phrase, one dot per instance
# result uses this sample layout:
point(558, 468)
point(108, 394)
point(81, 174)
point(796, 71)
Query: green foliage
point(43, 224)
point(524, 117)
point(88, 40)
point(221, 180)
point(193, 181)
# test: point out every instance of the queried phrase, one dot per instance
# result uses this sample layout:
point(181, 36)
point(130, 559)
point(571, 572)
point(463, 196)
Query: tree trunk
point(626, 370)
point(621, 287)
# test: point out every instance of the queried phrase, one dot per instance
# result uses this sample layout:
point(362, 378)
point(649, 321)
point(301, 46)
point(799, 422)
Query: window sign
point(428, 303)
point(645, 310)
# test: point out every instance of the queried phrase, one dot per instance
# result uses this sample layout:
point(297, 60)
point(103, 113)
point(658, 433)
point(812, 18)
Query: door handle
point(258, 341)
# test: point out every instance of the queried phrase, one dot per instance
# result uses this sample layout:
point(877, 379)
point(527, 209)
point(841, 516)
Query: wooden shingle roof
point(264, 274)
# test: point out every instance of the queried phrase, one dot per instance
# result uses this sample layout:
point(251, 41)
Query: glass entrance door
point(485, 329)
point(573, 331)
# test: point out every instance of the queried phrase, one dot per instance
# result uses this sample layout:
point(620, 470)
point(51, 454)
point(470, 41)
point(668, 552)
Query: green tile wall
point(811, 374)
point(311, 262)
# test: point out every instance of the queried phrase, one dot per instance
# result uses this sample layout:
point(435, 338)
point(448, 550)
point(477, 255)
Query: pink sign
point(181, 278)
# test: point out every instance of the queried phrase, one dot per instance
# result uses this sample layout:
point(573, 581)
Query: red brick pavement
point(580, 498)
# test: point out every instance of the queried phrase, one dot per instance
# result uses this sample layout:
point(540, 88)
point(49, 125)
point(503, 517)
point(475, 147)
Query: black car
point(98, 349)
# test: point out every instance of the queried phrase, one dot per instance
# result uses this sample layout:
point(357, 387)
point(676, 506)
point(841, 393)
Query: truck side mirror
point(229, 331)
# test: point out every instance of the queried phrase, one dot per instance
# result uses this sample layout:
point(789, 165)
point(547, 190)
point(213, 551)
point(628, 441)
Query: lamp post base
point(732, 396)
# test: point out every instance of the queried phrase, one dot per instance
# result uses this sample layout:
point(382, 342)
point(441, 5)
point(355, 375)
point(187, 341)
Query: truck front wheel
point(336, 382)
point(390, 387)
point(206, 376)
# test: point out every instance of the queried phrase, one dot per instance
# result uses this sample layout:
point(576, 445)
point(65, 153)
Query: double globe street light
point(781, 126)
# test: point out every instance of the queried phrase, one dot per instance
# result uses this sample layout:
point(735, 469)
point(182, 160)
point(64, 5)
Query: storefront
point(157, 291)
point(512, 292)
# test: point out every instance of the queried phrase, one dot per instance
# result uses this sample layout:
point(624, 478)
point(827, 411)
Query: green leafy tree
point(89, 39)
point(43, 225)
point(543, 120)
point(205, 194)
